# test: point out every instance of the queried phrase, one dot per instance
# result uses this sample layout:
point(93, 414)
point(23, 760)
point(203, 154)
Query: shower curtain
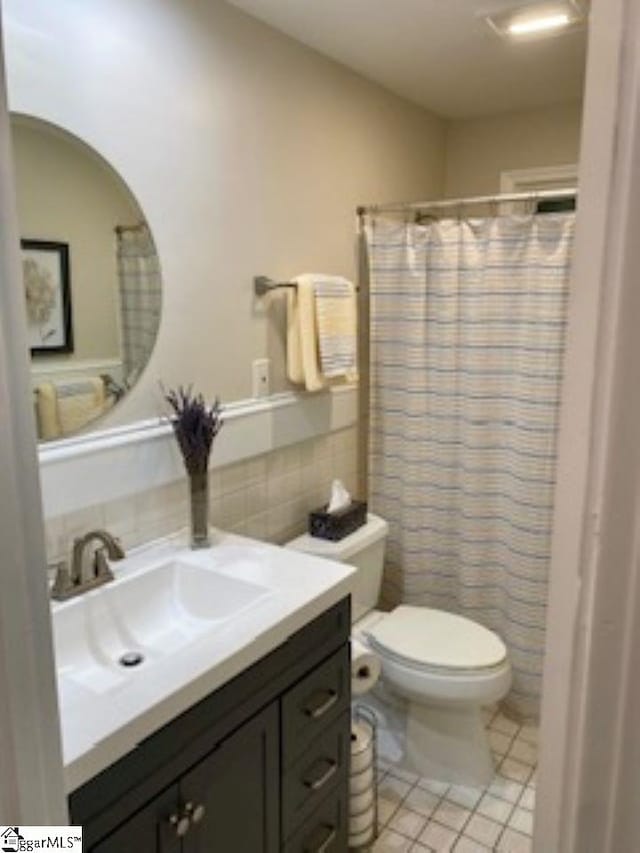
point(468, 321)
point(140, 297)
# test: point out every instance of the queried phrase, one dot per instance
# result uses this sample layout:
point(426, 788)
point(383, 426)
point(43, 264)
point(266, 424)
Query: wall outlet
point(261, 377)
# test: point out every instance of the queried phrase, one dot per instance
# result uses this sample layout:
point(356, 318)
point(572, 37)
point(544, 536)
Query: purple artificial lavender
point(195, 425)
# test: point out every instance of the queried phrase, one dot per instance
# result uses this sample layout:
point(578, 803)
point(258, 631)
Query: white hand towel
point(303, 352)
point(295, 373)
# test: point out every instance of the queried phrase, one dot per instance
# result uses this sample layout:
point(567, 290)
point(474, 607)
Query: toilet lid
point(435, 638)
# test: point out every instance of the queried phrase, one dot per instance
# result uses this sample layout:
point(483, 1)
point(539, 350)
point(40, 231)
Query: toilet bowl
point(446, 668)
point(440, 668)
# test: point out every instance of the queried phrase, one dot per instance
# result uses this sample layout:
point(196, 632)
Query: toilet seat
point(434, 641)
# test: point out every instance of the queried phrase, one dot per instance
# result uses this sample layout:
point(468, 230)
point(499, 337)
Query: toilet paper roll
point(361, 747)
point(365, 668)
point(362, 822)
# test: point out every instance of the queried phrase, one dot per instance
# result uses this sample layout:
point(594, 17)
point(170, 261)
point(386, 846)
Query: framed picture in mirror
point(45, 266)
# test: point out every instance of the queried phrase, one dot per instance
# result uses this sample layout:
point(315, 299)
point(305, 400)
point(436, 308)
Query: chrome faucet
point(67, 583)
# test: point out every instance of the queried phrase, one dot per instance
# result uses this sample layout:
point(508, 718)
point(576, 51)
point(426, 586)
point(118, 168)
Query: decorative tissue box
point(337, 525)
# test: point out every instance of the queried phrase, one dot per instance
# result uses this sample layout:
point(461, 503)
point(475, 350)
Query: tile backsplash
point(266, 497)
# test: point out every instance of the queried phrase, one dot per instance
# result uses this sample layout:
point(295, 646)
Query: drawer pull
point(319, 703)
point(320, 780)
point(328, 837)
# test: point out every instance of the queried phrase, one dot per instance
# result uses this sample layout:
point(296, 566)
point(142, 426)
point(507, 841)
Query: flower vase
point(199, 494)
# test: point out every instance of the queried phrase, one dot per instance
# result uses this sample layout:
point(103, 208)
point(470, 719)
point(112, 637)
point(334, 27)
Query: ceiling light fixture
point(539, 25)
point(537, 19)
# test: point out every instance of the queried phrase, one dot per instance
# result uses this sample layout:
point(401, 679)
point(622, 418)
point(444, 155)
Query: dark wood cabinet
point(148, 829)
point(233, 794)
point(259, 766)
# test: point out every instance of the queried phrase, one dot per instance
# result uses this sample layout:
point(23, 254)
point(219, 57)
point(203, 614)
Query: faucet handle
point(62, 583)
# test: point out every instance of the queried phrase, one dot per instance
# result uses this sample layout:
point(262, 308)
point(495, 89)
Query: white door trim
point(586, 689)
point(31, 781)
point(539, 177)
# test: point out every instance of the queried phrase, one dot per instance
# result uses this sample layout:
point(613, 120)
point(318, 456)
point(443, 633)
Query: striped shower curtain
point(140, 297)
point(468, 322)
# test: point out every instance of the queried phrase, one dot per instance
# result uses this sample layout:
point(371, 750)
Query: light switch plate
point(261, 370)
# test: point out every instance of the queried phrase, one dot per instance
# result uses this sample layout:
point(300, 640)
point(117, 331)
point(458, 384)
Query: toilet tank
point(364, 549)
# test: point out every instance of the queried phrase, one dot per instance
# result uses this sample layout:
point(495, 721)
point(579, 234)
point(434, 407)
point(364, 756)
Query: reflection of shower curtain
point(140, 297)
point(467, 335)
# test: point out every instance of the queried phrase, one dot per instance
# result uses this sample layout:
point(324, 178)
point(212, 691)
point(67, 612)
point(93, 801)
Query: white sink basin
point(145, 616)
point(197, 619)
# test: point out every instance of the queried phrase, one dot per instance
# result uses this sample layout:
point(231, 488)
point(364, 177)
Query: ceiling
point(438, 53)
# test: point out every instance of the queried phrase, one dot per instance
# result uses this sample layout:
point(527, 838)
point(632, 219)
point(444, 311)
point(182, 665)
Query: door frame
point(586, 686)
point(32, 779)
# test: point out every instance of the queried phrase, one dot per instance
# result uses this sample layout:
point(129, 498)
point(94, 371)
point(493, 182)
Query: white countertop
point(99, 727)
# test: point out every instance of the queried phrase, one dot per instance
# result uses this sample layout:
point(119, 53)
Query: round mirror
point(92, 280)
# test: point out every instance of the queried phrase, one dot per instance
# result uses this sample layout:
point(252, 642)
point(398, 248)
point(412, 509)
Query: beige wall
point(479, 149)
point(247, 151)
point(65, 194)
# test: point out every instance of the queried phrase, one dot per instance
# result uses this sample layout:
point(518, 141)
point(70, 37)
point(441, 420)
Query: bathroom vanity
point(257, 763)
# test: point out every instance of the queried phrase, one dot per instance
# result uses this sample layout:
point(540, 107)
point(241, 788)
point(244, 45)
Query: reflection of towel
point(302, 338)
point(47, 411)
point(67, 406)
point(337, 325)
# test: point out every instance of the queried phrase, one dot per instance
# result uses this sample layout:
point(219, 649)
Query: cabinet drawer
point(319, 698)
point(326, 831)
point(319, 769)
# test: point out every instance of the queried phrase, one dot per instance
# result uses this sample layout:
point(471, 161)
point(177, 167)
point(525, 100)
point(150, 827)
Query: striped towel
point(337, 326)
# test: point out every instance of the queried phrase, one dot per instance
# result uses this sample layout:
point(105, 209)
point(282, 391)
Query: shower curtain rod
point(418, 206)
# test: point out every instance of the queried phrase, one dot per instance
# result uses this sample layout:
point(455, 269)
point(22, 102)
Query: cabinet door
point(233, 794)
point(149, 831)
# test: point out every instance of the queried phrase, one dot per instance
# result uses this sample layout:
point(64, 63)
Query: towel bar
point(262, 285)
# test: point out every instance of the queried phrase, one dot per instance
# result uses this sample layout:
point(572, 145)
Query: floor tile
point(468, 845)
point(408, 822)
point(528, 799)
point(464, 795)
point(494, 808)
point(514, 842)
point(451, 815)
point(386, 809)
point(438, 837)
point(523, 751)
point(405, 775)
point(503, 724)
point(522, 821)
point(421, 801)
point(421, 815)
point(515, 770)
point(391, 842)
point(529, 733)
point(505, 788)
point(433, 785)
point(483, 829)
point(499, 742)
point(394, 790)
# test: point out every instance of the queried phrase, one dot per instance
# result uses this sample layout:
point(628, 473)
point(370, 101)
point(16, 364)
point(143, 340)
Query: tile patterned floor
point(422, 816)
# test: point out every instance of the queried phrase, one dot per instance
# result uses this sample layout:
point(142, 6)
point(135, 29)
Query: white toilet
point(443, 668)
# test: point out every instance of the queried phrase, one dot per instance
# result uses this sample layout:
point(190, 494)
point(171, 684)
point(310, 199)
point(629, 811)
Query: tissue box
point(337, 525)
